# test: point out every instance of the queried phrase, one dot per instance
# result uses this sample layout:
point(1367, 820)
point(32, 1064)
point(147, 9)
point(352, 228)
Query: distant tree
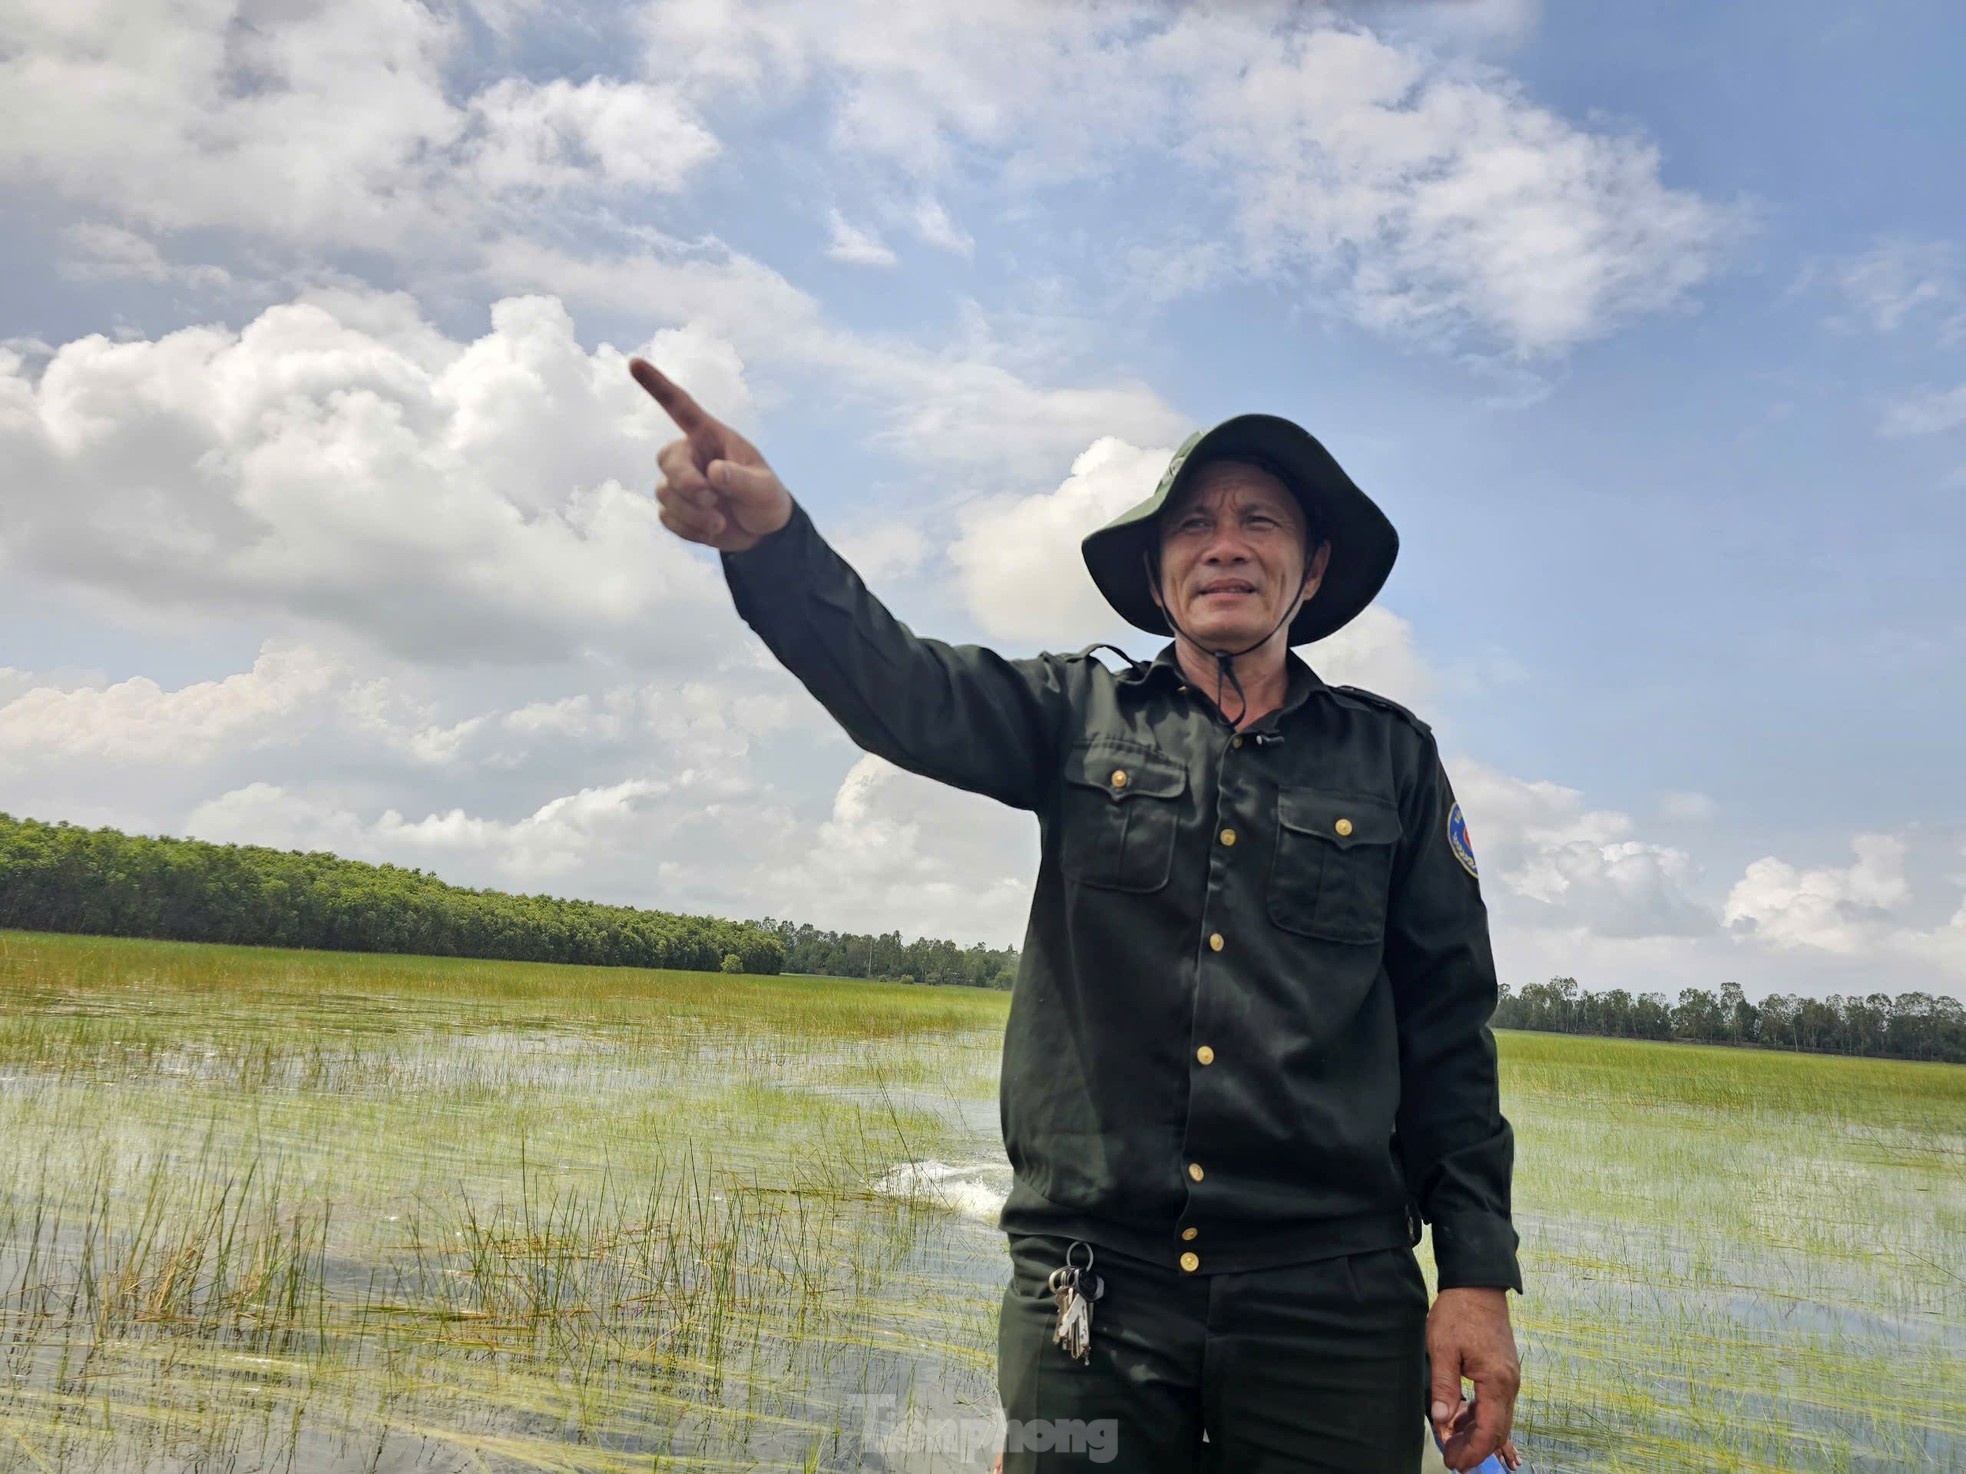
point(1913, 1026)
point(57, 877)
point(732, 962)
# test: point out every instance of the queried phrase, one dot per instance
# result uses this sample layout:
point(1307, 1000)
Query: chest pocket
point(1333, 864)
point(1120, 810)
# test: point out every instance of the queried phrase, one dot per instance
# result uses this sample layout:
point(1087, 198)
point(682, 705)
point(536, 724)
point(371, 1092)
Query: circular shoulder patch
point(1457, 840)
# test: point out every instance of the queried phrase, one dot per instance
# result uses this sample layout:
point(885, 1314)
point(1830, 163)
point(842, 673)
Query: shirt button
point(1343, 826)
point(1191, 1261)
point(1189, 1233)
point(1119, 781)
point(1228, 836)
point(1205, 1055)
point(1194, 1170)
point(1215, 941)
point(1235, 742)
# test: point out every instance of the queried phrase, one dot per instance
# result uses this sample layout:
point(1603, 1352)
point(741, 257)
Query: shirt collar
point(1301, 682)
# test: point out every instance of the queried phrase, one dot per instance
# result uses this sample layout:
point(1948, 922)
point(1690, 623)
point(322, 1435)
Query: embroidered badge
point(1457, 840)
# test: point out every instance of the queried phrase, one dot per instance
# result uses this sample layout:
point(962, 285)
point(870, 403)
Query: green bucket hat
point(1363, 542)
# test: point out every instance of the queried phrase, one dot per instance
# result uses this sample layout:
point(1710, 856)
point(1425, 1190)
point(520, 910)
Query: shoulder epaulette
point(1134, 667)
point(1384, 703)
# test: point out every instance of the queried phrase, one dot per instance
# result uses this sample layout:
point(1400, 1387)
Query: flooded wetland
point(319, 1211)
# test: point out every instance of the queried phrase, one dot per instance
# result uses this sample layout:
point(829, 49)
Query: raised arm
point(957, 713)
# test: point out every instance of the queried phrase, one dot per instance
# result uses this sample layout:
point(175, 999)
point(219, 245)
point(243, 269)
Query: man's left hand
point(1468, 1335)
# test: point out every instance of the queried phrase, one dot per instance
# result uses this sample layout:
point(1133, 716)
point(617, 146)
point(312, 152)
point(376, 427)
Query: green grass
point(265, 1209)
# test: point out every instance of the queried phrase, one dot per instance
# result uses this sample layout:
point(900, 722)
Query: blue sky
point(324, 512)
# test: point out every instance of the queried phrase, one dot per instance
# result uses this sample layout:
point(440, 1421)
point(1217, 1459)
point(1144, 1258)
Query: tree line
point(64, 878)
point(857, 955)
point(1909, 1026)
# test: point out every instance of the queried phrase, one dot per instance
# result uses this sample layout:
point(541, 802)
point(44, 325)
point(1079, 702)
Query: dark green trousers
point(1312, 1367)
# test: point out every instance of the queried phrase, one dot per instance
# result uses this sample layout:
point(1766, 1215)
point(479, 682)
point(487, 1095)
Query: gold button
point(1215, 941)
point(1191, 1261)
point(1194, 1170)
point(1189, 1233)
point(1205, 1055)
point(1228, 836)
point(1343, 826)
point(1119, 781)
point(1235, 742)
point(1184, 690)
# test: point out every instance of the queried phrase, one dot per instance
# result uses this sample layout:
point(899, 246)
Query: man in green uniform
point(1248, 1047)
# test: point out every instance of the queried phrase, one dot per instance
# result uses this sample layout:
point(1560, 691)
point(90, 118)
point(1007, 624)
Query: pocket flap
point(1124, 771)
point(1344, 819)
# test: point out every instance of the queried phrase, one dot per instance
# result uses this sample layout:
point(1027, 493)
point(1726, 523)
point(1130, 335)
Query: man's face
point(1232, 555)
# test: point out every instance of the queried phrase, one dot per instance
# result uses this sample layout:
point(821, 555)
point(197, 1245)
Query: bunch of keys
point(1075, 1288)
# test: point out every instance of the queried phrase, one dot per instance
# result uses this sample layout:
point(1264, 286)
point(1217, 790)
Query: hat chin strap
point(1225, 667)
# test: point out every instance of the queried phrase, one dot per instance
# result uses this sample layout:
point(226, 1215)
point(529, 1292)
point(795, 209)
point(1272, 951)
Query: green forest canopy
point(63, 878)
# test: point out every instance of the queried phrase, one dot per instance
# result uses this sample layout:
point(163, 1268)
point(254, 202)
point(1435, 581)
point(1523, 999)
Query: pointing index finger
point(689, 416)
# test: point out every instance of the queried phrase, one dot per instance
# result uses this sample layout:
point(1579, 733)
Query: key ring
point(1056, 1281)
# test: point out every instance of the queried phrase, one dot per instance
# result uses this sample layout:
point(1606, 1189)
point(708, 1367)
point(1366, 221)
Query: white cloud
point(1430, 197)
point(1017, 560)
point(339, 460)
point(1442, 203)
point(1927, 414)
point(947, 409)
point(901, 853)
point(1836, 910)
point(1898, 280)
point(895, 853)
point(97, 251)
point(938, 228)
point(314, 123)
point(884, 550)
point(854, 246)
point(1548, 862)
point(578, 834)
point(138, 721)
point(557, 136)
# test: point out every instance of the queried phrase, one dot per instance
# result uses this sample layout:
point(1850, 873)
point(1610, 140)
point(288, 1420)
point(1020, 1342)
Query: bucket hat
point(1363, 541)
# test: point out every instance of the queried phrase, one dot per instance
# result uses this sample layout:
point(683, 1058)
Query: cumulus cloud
point(1429, 197)
point(895, 852)
point(556, 136)
point(138, 720)
point(339, 460)
point(315, 122)
point(585, 834)
point(967, 408)
point(1834, 909)
point(1548, 861)
point(1444, 204)
point(1017, 559)
point(898, 852)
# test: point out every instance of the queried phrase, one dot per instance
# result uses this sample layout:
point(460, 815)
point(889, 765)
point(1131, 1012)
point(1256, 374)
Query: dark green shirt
point(1250, 1026)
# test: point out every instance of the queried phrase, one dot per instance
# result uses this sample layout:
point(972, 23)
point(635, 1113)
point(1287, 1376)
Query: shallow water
point(263, 1210)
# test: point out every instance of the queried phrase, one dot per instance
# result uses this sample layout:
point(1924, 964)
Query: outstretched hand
point(1468, 1335)
point(715, 489)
